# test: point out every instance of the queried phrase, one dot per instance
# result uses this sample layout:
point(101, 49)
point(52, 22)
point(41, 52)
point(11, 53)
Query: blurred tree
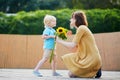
point(90, 4)
point(73, 3)
point(115, 3)
point(31, 5)
point(49, 4)
point(13, 6)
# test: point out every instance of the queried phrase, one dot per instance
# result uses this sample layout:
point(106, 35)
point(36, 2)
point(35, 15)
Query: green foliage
point(4, 23)
point(107, 20)
point(99, 21)
point(112, 21)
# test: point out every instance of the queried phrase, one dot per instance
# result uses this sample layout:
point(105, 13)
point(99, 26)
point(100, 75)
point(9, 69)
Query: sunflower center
point(60, 30)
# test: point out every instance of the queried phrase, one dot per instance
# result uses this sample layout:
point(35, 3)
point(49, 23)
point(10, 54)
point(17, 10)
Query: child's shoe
point(36, 73)
point(56, 74)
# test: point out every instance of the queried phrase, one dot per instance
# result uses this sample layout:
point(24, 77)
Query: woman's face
point(72, 22)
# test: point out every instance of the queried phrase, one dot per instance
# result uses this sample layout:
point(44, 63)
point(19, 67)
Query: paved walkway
point(26, 74)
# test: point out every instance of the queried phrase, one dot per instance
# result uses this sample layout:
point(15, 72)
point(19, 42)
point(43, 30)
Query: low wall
point(24, 51)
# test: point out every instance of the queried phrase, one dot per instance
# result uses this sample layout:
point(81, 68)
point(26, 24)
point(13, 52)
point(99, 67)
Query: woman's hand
point(69, 33)
point(65, 43)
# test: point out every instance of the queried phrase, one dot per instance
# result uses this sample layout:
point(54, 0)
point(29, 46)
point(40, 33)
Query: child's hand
point(44, 36)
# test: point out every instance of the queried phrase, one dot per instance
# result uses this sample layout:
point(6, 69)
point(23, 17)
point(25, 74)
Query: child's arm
point(46, 36)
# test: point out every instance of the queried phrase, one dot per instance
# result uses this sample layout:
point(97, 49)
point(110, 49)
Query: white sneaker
point(36, 73)
point(56, 74)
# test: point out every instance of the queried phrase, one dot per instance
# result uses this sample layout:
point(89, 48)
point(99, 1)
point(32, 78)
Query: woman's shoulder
point(82, 27)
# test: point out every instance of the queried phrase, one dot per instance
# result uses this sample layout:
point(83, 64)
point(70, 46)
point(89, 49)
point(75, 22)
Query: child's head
point(50, 21)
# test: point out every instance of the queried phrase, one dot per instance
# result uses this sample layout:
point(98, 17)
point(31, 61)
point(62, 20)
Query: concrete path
point(26, 74)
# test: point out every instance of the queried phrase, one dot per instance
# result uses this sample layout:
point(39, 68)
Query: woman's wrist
point(65, 43)
point(58, 40)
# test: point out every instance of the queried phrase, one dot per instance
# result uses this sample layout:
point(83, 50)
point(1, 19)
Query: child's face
point(53, 23)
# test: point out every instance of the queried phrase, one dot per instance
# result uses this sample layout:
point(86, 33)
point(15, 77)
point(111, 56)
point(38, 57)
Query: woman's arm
point(67, 44)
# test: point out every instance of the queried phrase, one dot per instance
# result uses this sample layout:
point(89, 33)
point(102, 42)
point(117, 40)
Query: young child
point(49, 38)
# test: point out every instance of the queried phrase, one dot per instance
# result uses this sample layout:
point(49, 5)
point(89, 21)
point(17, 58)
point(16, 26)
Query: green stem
point(51, 56)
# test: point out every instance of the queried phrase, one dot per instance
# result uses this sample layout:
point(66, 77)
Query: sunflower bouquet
point(62, 34)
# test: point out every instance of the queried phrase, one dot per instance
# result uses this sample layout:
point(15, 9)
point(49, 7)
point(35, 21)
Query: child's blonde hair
point(48, 19)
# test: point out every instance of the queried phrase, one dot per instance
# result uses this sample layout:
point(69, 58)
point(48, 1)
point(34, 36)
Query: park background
point(21, 26)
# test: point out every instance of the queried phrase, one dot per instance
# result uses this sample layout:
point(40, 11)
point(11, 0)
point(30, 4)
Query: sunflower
point(61, 30)
point(61, 33)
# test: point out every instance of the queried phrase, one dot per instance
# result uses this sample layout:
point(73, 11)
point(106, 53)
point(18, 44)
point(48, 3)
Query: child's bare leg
point(43, 60)
point(53, 64)
point(40, 63)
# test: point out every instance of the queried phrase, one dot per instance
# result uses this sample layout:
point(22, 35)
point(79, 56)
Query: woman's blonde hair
point(48, 19)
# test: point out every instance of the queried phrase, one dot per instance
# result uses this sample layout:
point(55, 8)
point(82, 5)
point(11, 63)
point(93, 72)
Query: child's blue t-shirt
point(49, 43)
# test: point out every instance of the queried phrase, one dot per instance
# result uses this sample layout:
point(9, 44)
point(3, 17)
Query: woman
point(86, 61)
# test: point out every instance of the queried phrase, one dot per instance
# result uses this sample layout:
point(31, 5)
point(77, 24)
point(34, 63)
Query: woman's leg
point(99, 73)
